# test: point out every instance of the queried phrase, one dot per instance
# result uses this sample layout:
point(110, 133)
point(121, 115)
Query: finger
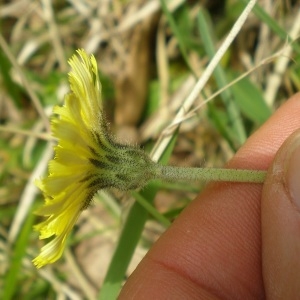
point(213, 249)
point(281, 223)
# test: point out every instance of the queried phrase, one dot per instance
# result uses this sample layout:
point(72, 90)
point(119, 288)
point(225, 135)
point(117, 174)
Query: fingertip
point(281, 223)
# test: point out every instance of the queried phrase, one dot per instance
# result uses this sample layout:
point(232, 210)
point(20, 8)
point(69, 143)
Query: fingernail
point(293, 171)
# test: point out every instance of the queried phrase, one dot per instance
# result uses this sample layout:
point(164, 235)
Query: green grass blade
point(267, 19)
point(179, 35)
point(151, 209)
point(234, 116)
point(18, 253)
point(250, 101)
point(11, 87)
point(128, 240)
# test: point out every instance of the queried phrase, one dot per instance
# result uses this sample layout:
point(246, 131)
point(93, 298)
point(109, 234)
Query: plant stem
point(170, 173)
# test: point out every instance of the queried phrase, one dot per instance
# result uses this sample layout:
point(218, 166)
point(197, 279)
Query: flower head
point(86, 159)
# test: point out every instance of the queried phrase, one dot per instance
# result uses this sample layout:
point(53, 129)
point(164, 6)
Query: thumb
point(280, 217)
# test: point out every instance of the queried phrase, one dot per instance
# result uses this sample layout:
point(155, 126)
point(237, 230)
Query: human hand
point(236, 240)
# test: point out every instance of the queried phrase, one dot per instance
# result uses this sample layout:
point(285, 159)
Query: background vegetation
point(150, 54)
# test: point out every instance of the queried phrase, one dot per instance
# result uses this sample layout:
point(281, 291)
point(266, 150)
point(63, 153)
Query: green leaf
point(250, 101)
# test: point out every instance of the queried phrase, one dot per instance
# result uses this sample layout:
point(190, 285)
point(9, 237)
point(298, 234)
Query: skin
point(235, 240)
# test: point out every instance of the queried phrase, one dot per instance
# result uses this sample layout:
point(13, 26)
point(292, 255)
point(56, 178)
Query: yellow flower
point(86, 159)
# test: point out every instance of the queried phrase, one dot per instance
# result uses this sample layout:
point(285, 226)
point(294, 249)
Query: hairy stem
point(170, 173)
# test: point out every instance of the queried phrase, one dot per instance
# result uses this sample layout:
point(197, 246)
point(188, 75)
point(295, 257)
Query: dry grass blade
point(150, 8)
point(275, 78)
point(29, 194)
point(54, 33)
point(38, 135)
point(27, 86)
point(86, 287)
point(165, 138)
point(63, 290)
point(192, 112)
